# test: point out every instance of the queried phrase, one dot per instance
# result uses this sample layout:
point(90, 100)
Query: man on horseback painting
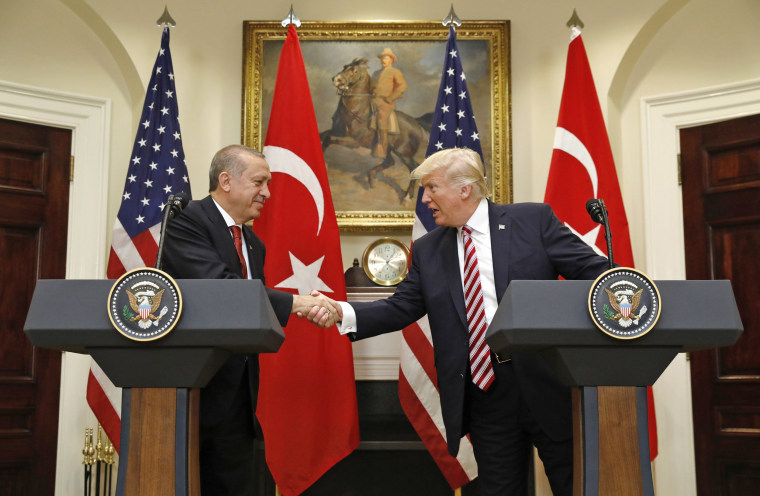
point(389, 87)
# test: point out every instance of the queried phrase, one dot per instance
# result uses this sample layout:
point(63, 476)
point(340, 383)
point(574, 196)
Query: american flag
point(156, 170)
point(453, 126)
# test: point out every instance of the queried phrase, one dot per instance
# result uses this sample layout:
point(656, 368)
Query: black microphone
point(598, 212)
point(594, 209)
point(176, 203)
point(172, 208)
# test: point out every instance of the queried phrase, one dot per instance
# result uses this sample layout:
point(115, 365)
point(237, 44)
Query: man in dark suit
point(202, 243)
point(506, 404)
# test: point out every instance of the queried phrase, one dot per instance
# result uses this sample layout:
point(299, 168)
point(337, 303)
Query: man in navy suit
point(200, 244)
point(521, 403)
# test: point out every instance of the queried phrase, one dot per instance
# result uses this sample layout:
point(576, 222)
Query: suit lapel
point(221, 235)
point(501, 232)
point(450, 258)
point(254, 256)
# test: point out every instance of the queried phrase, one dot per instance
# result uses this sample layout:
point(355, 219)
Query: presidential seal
point(624, 303)
point(144, 304)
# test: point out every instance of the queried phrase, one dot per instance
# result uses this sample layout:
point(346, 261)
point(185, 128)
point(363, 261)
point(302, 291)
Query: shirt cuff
point(348, 324)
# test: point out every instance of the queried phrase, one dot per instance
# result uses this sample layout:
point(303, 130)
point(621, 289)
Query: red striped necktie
point(480, 354)
point(237, 235)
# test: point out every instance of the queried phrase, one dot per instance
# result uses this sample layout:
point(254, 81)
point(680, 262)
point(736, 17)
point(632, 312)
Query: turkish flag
point(307, 393)
point(582, 168)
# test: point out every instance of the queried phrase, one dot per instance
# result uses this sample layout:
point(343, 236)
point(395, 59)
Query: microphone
point(174, 205)
point(598, 212)
point(594, 209)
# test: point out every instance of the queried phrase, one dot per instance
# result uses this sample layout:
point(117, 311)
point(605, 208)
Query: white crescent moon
point(567, 142)
point(287, 162)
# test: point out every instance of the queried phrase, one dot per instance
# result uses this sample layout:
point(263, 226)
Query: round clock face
point(386, 261)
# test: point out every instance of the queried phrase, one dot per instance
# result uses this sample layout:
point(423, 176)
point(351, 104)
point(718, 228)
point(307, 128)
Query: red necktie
point(237, 235)
point(480, 354)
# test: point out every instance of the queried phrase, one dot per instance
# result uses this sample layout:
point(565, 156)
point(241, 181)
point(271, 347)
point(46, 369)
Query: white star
point(458, 131)
point(151, 105)
point(162, 129)
point(132, 178)
point(460, 114)
point(158, 70)
point(463, 95)
point(153, 165)
point(145, 202)
point(169, 93)
point(148, 183)
point(475, 136)
point(453, 54)
point(162, 52)
point(146, 124)
point(447, 89)
point(157, 147)
point(126, 196)
point(442, 126)
point(142, 143)
point(462, 76)
point(176, 135)
point(164, 111)
point(305, 277)
point(445, 108)
point(168, 189)
point(439, 145)
point(171, 76)
point(161, 207)
point(140, 219)
point(170, 170)
point(450, 72)
point(175, 153)
point(155, 87)
point(184, 178)
point(136, 160)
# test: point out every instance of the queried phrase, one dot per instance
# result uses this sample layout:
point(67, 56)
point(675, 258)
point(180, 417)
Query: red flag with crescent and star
point(307, 394)
point(582, 168)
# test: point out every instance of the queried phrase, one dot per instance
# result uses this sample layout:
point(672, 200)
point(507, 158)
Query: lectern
point(608, 375)
point(159, 435)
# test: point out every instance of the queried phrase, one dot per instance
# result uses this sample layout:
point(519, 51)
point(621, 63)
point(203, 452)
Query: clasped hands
point(318, 309)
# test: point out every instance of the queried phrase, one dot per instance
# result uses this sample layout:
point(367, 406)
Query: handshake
point(318, 309)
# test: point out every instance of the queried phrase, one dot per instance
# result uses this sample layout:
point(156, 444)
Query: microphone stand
point(164, 221)
point(607, 233)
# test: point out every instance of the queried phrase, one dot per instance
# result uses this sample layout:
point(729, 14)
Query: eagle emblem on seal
point(625, 299)
point(145, 303)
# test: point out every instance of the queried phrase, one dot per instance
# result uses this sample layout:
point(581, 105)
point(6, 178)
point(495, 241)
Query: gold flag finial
point(575, 21)
point(166, 20)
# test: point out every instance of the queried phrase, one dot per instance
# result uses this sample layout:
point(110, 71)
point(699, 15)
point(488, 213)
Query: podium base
point(159, 442)
point(611, 441)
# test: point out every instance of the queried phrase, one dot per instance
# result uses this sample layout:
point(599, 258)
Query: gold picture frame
point(329, 47)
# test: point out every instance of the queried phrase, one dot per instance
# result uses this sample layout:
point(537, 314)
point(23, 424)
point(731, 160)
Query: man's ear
point(466, 191)
point(224, 181)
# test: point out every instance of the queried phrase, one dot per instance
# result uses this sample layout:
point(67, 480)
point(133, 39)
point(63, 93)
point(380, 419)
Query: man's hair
point(462, 166)
point(229, 159)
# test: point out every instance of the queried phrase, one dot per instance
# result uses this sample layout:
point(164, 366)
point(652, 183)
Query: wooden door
point(34, 198)
point(721, 204)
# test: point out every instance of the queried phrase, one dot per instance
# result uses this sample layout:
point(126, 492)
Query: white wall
point(636, 50)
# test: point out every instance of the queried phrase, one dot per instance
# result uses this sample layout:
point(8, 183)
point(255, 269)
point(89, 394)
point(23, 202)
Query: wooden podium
point(608, 375)
point(160, 399)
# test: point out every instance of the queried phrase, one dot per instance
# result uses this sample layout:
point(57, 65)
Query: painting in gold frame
point(328, 47)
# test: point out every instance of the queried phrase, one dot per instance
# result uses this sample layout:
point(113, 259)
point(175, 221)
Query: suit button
point(461, 376)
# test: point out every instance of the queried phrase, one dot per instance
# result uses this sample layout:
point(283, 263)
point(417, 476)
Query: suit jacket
point(528, 242)
point(198, 245)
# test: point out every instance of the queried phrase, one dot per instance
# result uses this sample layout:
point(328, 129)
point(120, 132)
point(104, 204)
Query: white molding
point(89, 120)
point(375, 359)
point(661, 119)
